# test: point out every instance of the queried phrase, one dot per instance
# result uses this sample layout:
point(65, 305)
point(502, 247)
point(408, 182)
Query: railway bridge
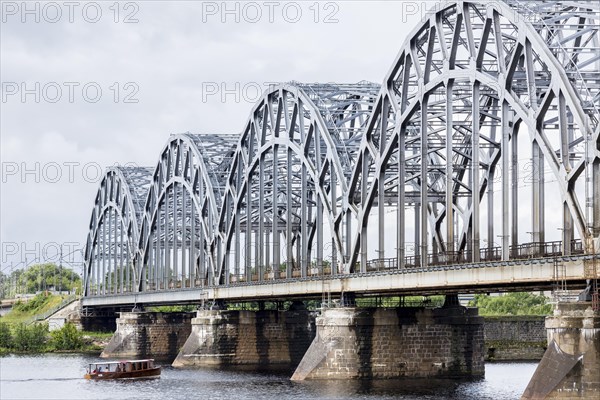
point(473, 167)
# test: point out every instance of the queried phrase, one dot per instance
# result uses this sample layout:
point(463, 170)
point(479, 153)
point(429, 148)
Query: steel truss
point(428, 169)
point(287, 180)
point(112, 242)
point(181, 211)
point(466, 83)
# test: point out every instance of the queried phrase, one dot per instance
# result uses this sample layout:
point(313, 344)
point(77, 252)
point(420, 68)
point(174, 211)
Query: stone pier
point(148, 335)
point(355, 343)
point(570, 368)
point(268, 339)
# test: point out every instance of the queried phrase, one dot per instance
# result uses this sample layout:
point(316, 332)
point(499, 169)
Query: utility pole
point(14, 281)
point(24, 270)
point(60, 269)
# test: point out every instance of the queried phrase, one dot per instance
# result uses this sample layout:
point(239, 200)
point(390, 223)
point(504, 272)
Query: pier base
point(268, 339)
point(570, 368)
point(355, 343)
point(148, 335)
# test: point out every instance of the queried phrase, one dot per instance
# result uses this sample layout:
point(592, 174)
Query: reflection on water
point(61, 377)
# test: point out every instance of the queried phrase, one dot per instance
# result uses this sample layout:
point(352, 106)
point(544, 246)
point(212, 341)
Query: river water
point(55, 376)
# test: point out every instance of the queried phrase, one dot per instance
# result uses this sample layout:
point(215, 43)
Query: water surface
point(53, 376)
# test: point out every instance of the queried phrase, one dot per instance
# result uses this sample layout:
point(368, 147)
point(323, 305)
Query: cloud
point(168, 55)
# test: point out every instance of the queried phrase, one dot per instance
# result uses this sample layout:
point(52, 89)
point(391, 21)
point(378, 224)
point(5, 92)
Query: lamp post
point(505, 247)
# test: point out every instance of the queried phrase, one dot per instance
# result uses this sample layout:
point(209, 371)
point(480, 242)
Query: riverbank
point(24, 331)
point(37, 339)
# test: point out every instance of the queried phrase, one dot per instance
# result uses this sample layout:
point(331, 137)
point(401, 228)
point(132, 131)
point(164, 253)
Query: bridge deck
point(533, 274)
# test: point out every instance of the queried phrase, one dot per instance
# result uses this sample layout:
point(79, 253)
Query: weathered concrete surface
point(515, 338)
point(354, 343)
point(148, 334)
point(570, 368)
point(267, 339)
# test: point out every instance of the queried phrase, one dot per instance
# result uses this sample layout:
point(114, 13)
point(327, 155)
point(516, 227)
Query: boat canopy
point(121, 366)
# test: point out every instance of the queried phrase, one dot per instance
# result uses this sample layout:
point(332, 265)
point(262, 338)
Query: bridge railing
point(412, 262)
point(487, 254)
point(519, 252)
point(271, 274)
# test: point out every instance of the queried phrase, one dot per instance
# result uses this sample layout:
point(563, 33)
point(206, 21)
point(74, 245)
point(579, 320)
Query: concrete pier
point(268, 339)
point(355, 343)
point(570, 368)
point(148, 335)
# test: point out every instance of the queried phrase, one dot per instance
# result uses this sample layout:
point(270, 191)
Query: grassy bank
point(24, 311)
point(19, 335)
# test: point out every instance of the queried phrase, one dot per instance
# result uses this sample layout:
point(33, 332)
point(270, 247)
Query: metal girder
point(112, 242)
point(476, 89)
point(284, 191)
point(181, 211)
point(465, 82)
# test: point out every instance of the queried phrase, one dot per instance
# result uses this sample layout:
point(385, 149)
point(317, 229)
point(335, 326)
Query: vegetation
point(36, 338)
point(17, 336)
point(33, 305)
point(399, 301)
point(24, 310)
point(37, 278)
point(312, 305)
point(67, 338)
point(521, 303)
point(168, 309)
point(5, 336)
point(32, 338)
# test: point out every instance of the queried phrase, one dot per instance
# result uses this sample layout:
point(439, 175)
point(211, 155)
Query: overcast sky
point(157, 65)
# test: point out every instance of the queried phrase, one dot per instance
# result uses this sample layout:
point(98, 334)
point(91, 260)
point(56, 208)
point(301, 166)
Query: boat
point(127, 369)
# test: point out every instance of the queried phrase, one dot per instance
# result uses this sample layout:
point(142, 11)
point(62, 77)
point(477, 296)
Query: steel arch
point(462, 52)
point(475, 87)
point(112, 242)
point(294, 156)
point(181, 211)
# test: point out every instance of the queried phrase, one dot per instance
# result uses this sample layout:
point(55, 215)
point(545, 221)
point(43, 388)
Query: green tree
point(66, 338)
point(12, 284)
point(48, 276)
point(4, 285)
point(30, 338)
point(5, 336)
point(521, 303)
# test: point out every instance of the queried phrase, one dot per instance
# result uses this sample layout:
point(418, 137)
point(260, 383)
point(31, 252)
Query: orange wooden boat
point(128, 369)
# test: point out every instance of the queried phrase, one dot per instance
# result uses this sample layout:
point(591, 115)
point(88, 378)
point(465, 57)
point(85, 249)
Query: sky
point(88, 85)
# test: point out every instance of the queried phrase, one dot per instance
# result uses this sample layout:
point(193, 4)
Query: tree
point(46, 276)
point(521, 303)
point(67, 338)
point(5, 336)
point(30, 338)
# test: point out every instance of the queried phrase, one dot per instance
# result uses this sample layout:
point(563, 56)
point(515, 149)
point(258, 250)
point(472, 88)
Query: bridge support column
point(267, 339)
point(355, 343)
point(148, 334)
point(570, 368)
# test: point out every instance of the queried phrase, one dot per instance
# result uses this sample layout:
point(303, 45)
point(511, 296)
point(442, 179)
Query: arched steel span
point(467, 84)
point(112, 242)
point(181, 211)
point(288, 176)
point(570, 31)
point(476, 89)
